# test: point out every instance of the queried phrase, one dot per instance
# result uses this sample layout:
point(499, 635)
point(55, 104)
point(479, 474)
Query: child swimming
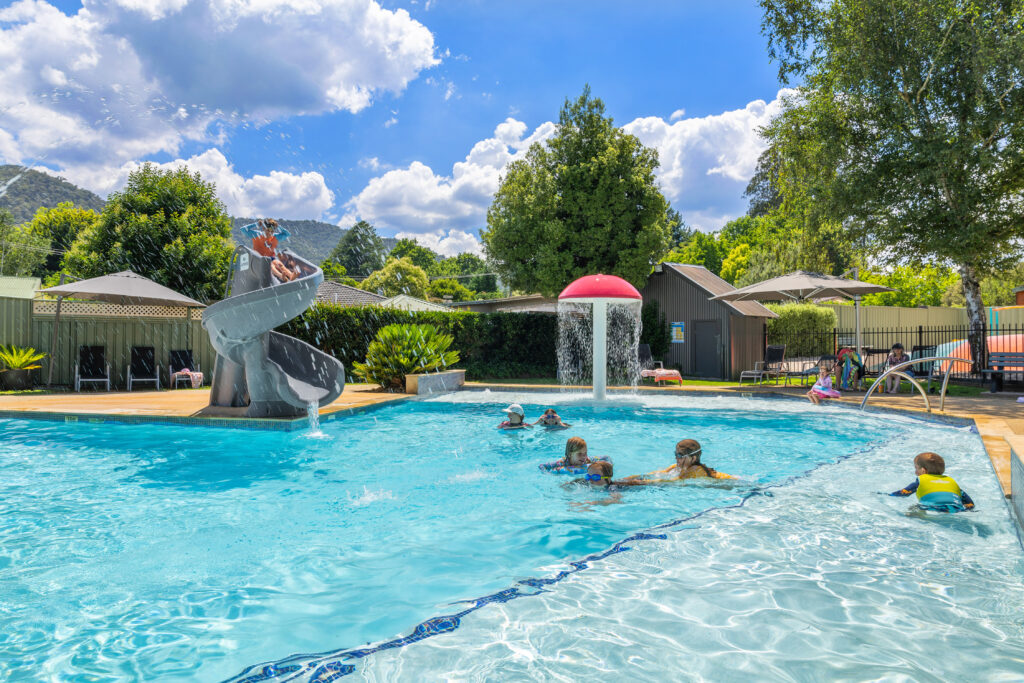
point(575, 460)
point(688, 466)
point(935, 490)
point(515, 418)
point(551, 419)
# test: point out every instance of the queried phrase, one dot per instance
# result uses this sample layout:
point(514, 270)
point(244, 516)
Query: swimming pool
point(184, 553)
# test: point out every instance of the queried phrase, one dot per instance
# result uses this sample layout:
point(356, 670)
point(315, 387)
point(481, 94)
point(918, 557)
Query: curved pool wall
point(193, 553)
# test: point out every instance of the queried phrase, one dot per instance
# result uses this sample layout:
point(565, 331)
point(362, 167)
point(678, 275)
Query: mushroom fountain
point(597, 304)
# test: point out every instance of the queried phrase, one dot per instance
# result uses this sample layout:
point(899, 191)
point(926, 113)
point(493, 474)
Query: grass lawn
point(951, 390)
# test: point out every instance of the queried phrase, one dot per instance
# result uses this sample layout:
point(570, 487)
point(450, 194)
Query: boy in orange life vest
point(266, 234)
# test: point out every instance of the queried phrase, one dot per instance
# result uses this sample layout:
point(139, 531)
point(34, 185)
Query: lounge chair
point(143, 367)
point(646, 359)
point(176, 362)
point(771, 366)
point(811, 372)
point(92, 367)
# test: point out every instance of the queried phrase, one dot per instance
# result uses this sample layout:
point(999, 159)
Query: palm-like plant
point(18, 358)
point(401, 350)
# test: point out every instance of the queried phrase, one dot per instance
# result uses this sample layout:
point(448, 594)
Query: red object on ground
point(600, 287)
point(663, 375)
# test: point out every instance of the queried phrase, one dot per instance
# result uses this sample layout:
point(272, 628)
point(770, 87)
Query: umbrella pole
point(53, 341)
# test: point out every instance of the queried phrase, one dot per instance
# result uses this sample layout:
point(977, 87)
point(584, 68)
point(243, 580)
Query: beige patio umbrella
point(803, 286)
point(125, 288)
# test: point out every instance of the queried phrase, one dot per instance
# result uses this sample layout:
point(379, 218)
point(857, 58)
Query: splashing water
point(575, 344)
point(313, 413)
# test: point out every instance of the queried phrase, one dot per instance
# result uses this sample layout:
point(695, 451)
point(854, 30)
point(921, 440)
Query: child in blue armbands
point(575, 460)
point(935, 491)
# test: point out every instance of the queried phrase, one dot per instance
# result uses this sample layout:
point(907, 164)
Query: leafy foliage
point(584, 202)
point(736, 263)
point(20, 358)
point(60, 226)
point(360, 251)
point(654, 329)
point(913, 286)
point(419, 255)
point(439, 289)
point(401, 350)
point(491, 345)
point(700, 250)
point(166, 225)
point(335, 272)
point(803, 328)
point(22, 252)
point(463, 265)
point(398, 276)
point(34, 189)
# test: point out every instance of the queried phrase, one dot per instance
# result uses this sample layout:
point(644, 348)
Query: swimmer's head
point(688, 449)
point(515, 413)
point(600, 471)
point(931, 463)
point(576, 451)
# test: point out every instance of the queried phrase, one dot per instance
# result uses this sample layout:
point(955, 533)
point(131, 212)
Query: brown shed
point(713, 339)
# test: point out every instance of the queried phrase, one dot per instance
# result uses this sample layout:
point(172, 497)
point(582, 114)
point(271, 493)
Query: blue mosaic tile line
point(331, 663)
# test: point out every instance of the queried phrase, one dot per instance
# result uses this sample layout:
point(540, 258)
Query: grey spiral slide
point(268, 373)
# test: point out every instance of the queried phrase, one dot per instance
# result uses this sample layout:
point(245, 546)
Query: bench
point(1001, 361)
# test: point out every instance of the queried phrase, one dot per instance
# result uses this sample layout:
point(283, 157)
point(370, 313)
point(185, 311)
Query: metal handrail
point(897, 370)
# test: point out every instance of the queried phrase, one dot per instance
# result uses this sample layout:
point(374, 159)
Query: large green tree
point(22, 251)
point(415, 252)
point(360, 251)
point(166, 225)
point(398, 276)
point(908, 126)
point(584, 202)
point(463, 266)
point(61, 225)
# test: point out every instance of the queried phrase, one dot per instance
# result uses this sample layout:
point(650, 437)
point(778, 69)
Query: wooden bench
point(999, 362)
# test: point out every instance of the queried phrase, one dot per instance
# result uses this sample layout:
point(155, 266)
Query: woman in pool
point(551, 419)
point(515, 418)
point(575, 460)
point(688, 466)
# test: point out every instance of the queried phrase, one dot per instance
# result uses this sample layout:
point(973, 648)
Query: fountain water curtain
point(598, 332)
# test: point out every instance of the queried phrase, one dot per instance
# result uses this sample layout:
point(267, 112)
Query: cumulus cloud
point(450, 243)
point(121, 80)
point(291, 195)
point(705, 166)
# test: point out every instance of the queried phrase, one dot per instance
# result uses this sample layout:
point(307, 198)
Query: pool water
point(188, 553)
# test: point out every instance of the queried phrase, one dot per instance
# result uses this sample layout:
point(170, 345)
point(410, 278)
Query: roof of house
point(336, 293)
point(714, 285)
point(411, 303)
point(19, 287)
point(507, 299)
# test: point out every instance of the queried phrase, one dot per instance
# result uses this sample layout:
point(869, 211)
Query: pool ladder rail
point(897, 370)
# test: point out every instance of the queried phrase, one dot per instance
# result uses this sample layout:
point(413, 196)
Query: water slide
point(269, 373)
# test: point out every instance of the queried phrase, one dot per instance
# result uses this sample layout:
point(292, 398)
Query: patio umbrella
point(802, 286)
point(125, 288)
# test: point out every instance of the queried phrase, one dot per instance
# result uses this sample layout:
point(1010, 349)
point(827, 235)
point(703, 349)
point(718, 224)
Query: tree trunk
point(975, 316)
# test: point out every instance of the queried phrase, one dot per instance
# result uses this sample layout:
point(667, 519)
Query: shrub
point(401, 350)
point(17, 358)
point(654, 329)
point(805, 329)
point(490, 345)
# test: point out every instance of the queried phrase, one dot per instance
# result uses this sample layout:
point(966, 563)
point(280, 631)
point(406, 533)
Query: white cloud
point(677, 114)
point(285, 195)
point(121, 80)
point(450, 243)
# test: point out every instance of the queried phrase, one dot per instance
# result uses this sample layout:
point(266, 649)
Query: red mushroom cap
point(600, 287)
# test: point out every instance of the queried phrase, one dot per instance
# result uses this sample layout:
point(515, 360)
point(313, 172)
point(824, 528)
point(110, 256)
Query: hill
point(35, 189)
point(313, 240)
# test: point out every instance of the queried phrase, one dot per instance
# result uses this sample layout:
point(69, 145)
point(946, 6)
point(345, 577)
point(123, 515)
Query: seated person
point(822, 387)
point(266, 234)
point(688, 466)
point(935, 491)
point(895, 357)
point(575, 460)
point(515, 418)
point(551, 419)
point(281, 271)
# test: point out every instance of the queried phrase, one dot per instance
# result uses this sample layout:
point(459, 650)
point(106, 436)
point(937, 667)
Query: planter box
point(16, 380)
point(435, 382)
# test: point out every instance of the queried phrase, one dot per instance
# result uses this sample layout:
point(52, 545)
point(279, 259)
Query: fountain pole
point(600, 350)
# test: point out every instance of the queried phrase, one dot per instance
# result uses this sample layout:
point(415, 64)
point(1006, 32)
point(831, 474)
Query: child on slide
point(266, 235)
point(822, 388)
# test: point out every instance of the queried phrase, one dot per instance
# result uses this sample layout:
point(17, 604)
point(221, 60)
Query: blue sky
point(402, 113)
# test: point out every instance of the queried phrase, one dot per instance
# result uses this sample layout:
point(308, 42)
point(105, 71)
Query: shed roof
point(336, 293)
point(714, 285)
point(19, 287)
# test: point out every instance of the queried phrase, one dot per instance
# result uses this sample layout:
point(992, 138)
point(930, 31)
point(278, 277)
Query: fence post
point(835, 340)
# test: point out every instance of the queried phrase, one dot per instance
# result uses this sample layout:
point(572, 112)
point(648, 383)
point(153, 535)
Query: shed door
point(707, 348)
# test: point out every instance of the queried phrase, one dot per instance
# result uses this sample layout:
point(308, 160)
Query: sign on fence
point(678, 333)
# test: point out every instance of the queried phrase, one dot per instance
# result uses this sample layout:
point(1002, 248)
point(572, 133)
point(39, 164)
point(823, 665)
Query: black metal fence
point(918, 342)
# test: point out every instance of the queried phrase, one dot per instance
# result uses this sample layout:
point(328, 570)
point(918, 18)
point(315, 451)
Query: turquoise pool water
point(174, 553)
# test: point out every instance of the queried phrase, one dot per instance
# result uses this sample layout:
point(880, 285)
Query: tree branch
point(931, 69)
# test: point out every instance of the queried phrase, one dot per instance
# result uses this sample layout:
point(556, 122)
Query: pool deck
point(998, 417)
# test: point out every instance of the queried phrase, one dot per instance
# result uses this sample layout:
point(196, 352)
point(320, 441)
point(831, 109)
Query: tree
point(439, 289)
point(678, 229)
point(166, 225)
point(335, 272)
point(912, 286)
point(60, 226)
point(419, 255)
point(701, 250)
point(398, 276)
point(762, 190)
point(736, 263)
point(909, 126)
point(360, 251)
point(996, 289)
point(22, 251)
point(584, 202)
point(654, 329)
point(467, 264)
